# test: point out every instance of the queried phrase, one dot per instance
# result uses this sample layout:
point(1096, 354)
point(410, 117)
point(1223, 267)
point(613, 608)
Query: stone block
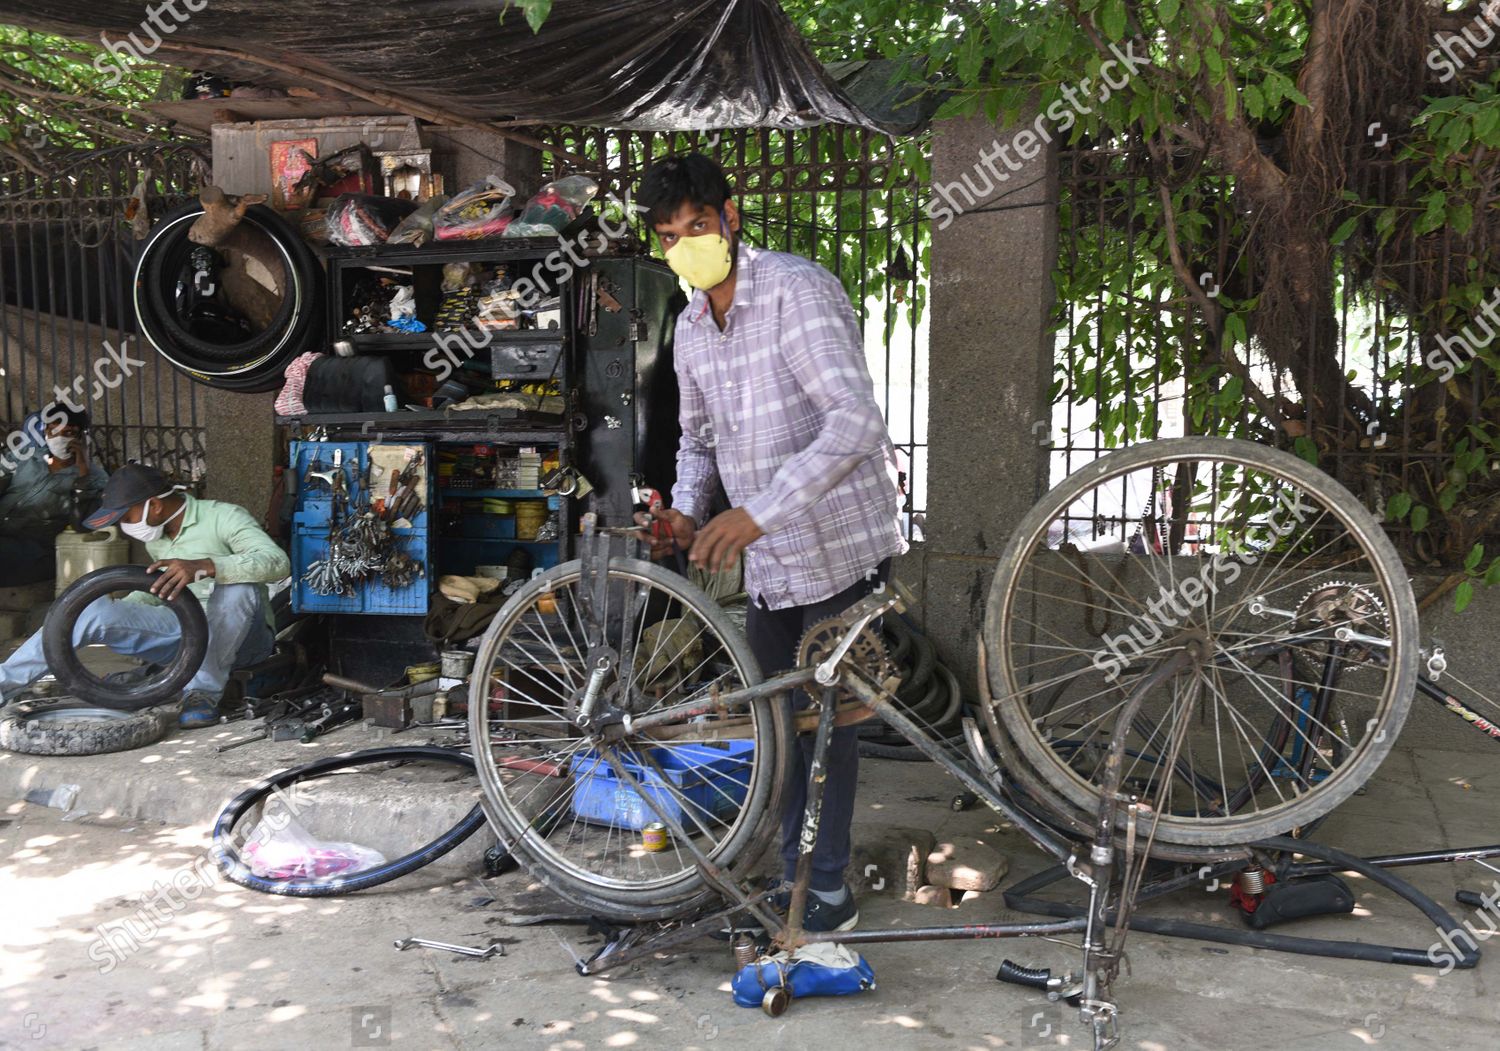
point(890, 860)
point(27, 596)
point(930, 895)
point(966, 866)
point(12, 624)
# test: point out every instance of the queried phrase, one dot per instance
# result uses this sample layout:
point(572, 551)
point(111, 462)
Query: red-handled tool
point(649, 500)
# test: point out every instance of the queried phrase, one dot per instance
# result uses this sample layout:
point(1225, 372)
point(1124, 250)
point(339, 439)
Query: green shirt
point(241, 550)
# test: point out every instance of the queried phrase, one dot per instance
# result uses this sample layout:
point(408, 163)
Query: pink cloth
point(289, 401)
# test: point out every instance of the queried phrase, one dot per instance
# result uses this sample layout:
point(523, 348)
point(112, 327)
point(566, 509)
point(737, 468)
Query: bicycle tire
point(745, 845)
point(165, 685)
point(236, 871)
point(1040, 763)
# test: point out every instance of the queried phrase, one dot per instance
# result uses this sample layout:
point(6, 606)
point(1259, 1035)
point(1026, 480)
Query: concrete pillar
point(239, 447)
point(990, 364)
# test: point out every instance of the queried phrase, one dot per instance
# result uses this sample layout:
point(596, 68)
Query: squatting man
point(214, 549)
point(777, 403)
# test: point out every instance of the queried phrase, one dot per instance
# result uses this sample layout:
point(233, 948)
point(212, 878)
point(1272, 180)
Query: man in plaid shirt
point(778, 404)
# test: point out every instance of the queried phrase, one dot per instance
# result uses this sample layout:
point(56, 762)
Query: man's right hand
point(675, 533)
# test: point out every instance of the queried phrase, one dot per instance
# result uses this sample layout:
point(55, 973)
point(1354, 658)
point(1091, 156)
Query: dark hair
point(674, 181)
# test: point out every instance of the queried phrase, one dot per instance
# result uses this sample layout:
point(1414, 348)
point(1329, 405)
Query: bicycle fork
point(1101, 960)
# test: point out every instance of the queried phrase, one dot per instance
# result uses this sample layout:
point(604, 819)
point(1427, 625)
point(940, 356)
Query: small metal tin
point(654, 837)
point(746, 951)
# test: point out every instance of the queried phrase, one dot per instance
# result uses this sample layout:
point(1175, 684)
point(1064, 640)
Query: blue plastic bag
point(820, 969)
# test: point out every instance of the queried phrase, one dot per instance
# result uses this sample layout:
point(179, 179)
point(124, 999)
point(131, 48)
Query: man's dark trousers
point(773, 635)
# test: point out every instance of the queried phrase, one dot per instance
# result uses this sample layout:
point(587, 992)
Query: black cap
point(132, 484)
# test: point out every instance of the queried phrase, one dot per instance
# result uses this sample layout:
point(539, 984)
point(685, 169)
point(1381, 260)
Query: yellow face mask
point(703, 261)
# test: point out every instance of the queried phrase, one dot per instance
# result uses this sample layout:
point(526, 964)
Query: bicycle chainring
point(868, 653)
point(1337, 603)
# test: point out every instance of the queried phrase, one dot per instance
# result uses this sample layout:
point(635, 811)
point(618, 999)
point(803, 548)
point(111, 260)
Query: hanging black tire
point(255, 363)
point(165, 685)
point(68, 727)
point(226, 852)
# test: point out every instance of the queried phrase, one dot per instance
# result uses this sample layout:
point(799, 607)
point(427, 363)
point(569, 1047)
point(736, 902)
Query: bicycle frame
point(980, 775)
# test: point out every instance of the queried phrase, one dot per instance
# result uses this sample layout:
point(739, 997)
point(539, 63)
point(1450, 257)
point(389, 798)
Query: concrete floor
point(236, 969)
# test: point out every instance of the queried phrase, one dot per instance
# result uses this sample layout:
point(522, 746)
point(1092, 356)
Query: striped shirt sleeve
point(697, 466)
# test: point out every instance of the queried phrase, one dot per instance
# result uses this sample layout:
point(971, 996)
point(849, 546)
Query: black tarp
point(638, 64)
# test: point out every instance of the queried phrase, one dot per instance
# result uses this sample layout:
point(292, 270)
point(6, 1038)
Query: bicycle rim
point(1222, 550)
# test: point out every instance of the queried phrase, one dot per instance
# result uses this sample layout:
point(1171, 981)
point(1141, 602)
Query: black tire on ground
point(63, 660)
point(226, 850)
point(257, 362)
point(71, 728)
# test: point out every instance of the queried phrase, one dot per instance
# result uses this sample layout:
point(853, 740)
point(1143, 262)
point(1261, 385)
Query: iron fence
point(67, 252)
point(845, 197)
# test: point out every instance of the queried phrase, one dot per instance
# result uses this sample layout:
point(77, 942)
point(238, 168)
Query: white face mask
point(147, 533)
point(60, 446)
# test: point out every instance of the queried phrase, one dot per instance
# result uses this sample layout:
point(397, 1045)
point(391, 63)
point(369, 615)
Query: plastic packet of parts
point(280, 848)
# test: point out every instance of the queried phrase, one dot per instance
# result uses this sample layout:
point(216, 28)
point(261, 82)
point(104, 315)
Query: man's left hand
point(720, 542)
point(178, 573)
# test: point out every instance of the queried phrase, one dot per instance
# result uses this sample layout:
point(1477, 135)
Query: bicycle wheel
point(1215, 556)
point(570, 800)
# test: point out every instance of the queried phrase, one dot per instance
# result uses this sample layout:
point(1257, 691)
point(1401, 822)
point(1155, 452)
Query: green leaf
point(1255, 104)
point(1306, 448)
point(1492, 575)
point(536, 13)
point(1461, 217)
point(1419, 516)
point(1112, 19)
point(1462, 596)
point(1475, 555)
point(1397, 507)
point(1215, 63)
point(1167, 10)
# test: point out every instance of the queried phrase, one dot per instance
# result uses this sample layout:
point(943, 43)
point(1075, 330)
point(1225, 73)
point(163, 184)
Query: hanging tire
point(257, 362)
point(165, 685)
point(73, 728)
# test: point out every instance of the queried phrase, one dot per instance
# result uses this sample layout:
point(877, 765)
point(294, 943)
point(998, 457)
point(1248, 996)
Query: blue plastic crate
point(713, 780)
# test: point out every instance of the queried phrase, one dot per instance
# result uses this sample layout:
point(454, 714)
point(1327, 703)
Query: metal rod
point(714, 705)
point(817, 778)
point(1395, 861)
point(892, 716)
point(960, 932)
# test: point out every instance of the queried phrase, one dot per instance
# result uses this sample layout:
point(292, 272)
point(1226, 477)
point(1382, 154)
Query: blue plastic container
point(712, 780)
